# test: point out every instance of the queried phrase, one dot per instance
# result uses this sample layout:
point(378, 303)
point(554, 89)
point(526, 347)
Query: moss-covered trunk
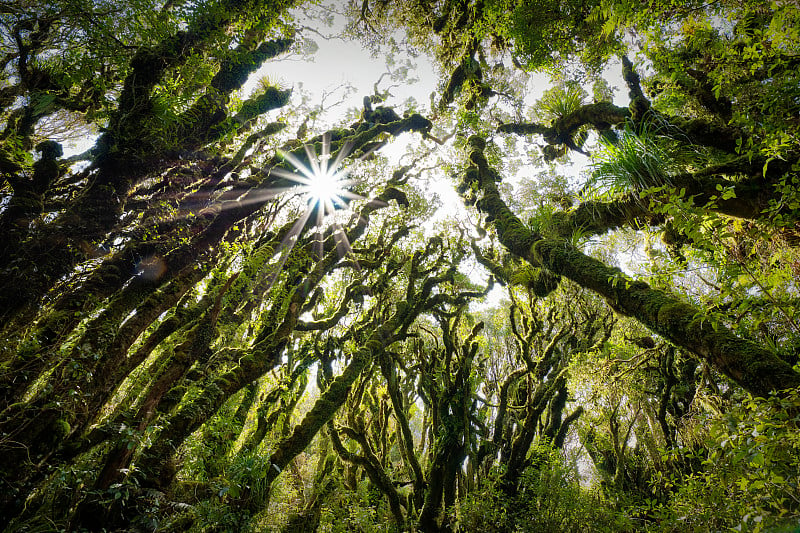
point(755, 368)
point(332, 399)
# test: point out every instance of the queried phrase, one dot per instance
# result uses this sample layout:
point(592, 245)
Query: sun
point(324, 185)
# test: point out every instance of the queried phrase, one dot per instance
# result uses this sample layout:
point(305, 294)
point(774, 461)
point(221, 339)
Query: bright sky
point(338, 63)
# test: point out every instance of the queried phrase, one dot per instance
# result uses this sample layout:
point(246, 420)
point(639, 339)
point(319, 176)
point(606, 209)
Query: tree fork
point(756, 369)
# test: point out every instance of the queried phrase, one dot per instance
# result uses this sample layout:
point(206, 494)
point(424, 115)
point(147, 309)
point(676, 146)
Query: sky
point(340, 72)
point(338, 63)
point(336, 73)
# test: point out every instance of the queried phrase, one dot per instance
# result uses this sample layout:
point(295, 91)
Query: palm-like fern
point(634, 161)
point(560, 101)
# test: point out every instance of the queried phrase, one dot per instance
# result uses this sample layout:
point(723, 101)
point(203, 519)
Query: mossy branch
point(750, 365)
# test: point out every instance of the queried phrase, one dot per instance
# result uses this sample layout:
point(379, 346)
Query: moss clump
point(171, 399)
point(674, 313)
point(235, 72)
point(60, 430)
point(271, 98)
point(477, 142)
point(541, 282)
point(417, 122)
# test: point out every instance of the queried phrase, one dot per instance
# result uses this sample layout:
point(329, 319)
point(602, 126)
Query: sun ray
point(325, 188)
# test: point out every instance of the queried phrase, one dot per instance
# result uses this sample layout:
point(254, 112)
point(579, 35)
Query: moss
point(27, 203)
point(171, 399)
point(402, 307)
point(639, 104)
point(234, 73)
point(756, 369)
point(397, 195)
point(50, 149)
point(476, 142)
point(247, 361)
point(417, 122)
point(471, 176)
point(271, 98)
point(373, 345)
point(541, 282)
point(672, 313)
point(59, 430)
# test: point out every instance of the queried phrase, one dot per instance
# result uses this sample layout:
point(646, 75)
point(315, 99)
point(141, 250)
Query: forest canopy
point(224, 313)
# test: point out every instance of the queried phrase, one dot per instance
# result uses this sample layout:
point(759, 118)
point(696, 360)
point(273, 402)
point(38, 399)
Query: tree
point(194, 336)
point(125, 247)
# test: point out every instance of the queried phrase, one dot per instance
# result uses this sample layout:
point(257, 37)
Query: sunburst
point(326, 190)
point(325, 186)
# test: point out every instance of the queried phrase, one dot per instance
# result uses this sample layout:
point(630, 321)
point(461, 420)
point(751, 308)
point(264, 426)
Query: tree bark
point(750, 365)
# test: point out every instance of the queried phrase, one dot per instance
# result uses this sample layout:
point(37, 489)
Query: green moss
point(540, 281)
point(672, 313)
point(391, 193)
point(417, 122)
point(373, 346)
point(61, 429)
point(271, 98)
point(477, 142)
point(247, 361)
point(234, 73)
point(402, 307)
point(27, 202)
point(171, 398)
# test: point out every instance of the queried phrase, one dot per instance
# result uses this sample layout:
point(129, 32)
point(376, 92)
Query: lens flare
point(325, 188)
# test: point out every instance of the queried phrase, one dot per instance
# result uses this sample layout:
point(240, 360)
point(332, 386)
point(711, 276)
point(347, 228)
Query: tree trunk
point(753, 367)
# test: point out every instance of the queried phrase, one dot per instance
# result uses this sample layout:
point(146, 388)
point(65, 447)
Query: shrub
point(549, 498)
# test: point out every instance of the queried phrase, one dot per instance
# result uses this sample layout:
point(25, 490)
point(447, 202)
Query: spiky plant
point(556, 103)
point(560, 101)
point(632, 163)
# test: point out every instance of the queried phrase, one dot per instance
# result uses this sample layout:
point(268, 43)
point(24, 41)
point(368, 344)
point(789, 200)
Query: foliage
point(550, 498)
point(190, 341)
point(549, 34)
point(356, 510)
point(748, 478)
point(560, 101)
point(632, 163)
